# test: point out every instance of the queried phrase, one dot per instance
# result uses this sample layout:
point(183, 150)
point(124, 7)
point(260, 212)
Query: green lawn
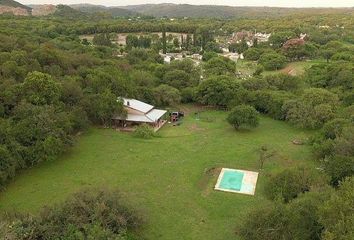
point(165, 178)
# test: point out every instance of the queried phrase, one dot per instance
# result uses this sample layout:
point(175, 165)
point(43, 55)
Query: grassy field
point(166, 178)
point(295, 68)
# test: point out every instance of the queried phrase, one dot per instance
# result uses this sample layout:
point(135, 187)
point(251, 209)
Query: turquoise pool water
point(231, 180)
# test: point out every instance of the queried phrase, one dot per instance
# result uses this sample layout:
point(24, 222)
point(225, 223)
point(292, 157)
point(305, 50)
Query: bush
point(296, 220)
point(288, 184)
point(144, 131)
point(243, 115)
point(89, 214)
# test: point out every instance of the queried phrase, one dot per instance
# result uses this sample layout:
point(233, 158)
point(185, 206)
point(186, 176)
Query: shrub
point(288, 184)
point(144, 131)
point(89, 214)
point(243, 115)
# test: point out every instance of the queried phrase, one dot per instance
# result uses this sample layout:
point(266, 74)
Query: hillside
point(60, 10)
point(113, 11)
point(16, 8)
point(212, 11)
point(11, 3)
point(68, 12)
point(43, 10)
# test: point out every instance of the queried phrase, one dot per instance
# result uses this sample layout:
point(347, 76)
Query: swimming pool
point(232, 180)
point(237, 181)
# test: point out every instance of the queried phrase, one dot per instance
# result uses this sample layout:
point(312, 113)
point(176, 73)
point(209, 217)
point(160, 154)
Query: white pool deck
point(249, 182)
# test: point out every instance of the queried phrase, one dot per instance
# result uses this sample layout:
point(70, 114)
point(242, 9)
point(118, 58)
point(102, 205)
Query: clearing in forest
point(168, 179)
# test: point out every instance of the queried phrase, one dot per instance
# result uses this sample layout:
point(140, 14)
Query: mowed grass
point(166, 179)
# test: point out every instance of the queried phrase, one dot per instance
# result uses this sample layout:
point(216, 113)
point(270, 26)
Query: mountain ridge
point(222, 11)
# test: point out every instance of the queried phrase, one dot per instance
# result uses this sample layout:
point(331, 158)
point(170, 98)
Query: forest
point(55, 85)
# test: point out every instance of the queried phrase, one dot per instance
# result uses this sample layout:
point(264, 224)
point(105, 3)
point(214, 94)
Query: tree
point(264, 154)
point(269, 222)
point(220, 66)
point(176, 43)
point(219, 91)
point(272, 61)
point(144, 42)
point(270, 102)
point(243, 115)
point(164, 42)
point(339, 163)
point(252, 54)
point(337, 214)
point(40, 89)
point(238, 47)
point(298, 219)
point(132, 41)
point(209, 55)
point(314, 108)
point(8, 165)
point(212, 47)
point(43, 131)
point(102, 107)
point(294, 48)
point(85, 42)
point(331, 48)
point(288, 184)
point(178, 79)
point(102, 39)
point(279, 38)
point(166, 95)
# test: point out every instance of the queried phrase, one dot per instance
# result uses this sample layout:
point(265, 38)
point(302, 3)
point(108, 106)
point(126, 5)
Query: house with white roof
point(139, 112)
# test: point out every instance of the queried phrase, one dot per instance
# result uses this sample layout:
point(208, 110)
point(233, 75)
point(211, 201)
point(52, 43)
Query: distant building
point(197, 57)
point(303, 35)
point(262, 37)
point(167, 59)
point(225, 50)
point(232, 56)
point(249, 37)
point(294, 42)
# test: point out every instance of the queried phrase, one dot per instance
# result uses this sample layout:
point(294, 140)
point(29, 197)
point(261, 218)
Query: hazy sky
point(272, 3)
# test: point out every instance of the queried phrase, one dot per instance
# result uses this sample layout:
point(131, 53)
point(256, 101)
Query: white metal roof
point(155, 114)
point(138, 118)
point(137, 105)
point(151, 117)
